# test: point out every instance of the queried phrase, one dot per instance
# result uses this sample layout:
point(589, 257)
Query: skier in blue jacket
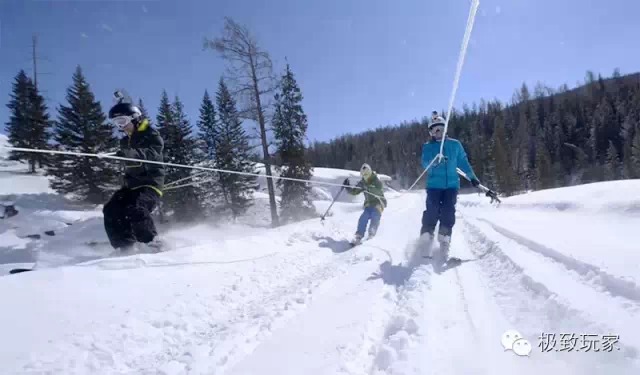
point(443, 183)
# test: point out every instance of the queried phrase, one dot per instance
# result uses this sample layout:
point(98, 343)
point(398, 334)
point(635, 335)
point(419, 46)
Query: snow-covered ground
point(236, 299)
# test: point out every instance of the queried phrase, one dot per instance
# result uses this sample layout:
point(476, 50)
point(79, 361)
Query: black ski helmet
point(125, 109)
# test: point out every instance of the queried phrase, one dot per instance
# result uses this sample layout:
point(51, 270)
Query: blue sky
point(361, 63)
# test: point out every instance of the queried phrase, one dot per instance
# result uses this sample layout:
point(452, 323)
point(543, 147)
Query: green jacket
point(373, 186)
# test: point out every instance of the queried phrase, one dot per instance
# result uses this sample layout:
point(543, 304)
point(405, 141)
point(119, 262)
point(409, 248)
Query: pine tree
point(165, 121)
point(18, 124)
point(627, 134)
point(544, 170)
point(40, 129)
point(232, 152)
point(635, 153)
point(175, 129)
point(81, 127)
point(29, 123)
point(613, 166)
point(505, 177)
point(208, 125)
point(289, 128)
point(208, 182)
point(143, 109)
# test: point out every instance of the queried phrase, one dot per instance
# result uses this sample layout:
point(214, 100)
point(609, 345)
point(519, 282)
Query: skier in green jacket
point(374, 201)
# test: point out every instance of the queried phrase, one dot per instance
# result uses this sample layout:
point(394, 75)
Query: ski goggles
point(121, 121)
point(436, 129)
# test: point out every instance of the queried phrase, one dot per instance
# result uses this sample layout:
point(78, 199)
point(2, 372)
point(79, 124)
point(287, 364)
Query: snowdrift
point(622, 197)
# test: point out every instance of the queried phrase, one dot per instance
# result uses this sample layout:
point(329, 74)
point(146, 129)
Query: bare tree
point(250, 74)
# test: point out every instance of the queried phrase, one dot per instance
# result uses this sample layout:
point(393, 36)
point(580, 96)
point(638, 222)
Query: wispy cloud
point(498, 9)
point(144, 9)
point(84, 35)
point(106, 27)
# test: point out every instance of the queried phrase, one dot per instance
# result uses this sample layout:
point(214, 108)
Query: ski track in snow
point(588, 291)
point(609, 283)
point(540, 297)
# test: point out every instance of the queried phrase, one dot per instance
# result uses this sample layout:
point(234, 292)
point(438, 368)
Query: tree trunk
point(265, 148)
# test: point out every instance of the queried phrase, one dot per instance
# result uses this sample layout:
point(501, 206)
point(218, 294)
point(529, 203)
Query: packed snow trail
point(298, 300)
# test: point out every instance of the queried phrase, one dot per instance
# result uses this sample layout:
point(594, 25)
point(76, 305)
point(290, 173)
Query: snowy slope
point(15, 174)
point(296, 300)
point(40, 211)
point(602, 197)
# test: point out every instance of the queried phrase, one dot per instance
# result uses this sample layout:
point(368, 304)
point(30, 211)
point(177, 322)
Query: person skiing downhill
point(127, 215)
point(442, 184)
point(374, 201)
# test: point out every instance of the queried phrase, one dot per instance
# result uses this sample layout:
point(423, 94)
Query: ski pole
point(332, 202)
point(488, 192)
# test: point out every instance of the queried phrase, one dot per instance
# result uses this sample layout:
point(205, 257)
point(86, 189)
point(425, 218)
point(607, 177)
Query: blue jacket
point(444, 175)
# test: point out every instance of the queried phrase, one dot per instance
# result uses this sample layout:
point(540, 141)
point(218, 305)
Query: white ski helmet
point(365, 170)
point(436, 120)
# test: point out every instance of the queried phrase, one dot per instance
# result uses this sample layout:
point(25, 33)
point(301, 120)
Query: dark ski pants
point(127, 216)
point(369, 213)
point(441, 206)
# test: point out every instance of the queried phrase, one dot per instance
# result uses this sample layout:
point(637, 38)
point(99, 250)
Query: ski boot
point(425, 245)
point(357, 241)
point(125, 250)
point(445, 243)
point(157, 245)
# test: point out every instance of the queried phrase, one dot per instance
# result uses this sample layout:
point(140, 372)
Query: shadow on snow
point(337, 246)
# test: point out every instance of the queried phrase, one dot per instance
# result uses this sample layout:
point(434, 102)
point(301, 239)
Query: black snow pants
point(127, 217)
point(441, 206)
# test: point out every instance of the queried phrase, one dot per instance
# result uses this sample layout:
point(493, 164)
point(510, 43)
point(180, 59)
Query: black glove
point(475, 182)
point(346, 182)
point(493, 195)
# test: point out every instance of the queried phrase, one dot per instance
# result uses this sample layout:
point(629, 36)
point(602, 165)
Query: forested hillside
point(542, 139)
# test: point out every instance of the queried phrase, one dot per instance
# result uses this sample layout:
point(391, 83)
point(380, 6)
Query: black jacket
point(147, 144)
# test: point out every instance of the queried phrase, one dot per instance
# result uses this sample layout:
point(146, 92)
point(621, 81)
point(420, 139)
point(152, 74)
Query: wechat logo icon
point(513, 340)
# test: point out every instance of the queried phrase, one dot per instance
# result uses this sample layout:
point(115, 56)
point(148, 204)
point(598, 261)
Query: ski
point(97, 243)
point(20, 270)
point(360, 241)
point(145, 249)
point(356, 243)
point(453, 260)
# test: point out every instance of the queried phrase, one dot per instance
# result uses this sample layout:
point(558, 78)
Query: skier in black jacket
point(127, 215)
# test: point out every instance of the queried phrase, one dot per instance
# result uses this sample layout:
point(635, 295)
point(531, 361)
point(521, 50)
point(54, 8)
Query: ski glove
point(475, 182)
